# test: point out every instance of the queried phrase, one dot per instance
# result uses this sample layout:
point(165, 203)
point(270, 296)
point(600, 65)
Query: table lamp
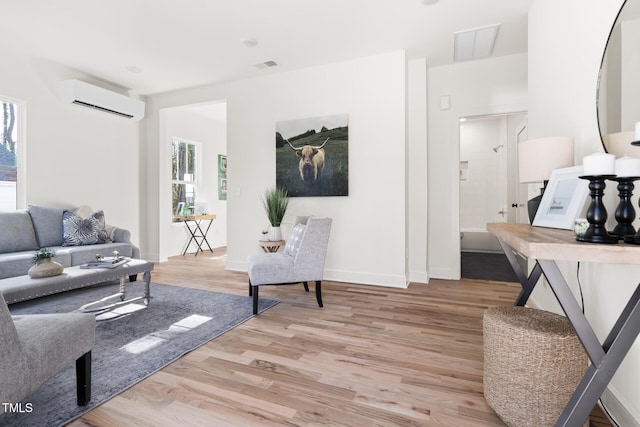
point(537, 158)
point(619, 144)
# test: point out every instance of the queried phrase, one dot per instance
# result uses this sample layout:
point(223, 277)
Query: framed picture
point(222, 163)
point(563, 200)
point(222, 177)
point(312, 156)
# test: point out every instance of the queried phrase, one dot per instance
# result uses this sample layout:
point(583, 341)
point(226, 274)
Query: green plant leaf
point(275, 203)
point(44, 253)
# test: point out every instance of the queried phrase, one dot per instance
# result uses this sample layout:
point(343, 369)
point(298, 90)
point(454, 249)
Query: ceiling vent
point(87, 95)
point(475, 43)
point(266, 64)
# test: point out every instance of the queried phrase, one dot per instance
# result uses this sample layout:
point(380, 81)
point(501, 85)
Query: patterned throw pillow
point(78, 231)
point(293, 244)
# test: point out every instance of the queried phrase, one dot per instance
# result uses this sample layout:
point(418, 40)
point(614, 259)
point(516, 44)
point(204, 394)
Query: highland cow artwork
point(312, 156)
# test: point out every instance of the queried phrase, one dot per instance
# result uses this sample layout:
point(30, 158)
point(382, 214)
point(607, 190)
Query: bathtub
point(478, 240)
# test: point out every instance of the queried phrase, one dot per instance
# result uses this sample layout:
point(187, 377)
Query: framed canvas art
point(563, 199)
point(312, 156)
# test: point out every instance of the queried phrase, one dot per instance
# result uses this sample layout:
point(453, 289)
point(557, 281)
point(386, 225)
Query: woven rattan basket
point(533, 362)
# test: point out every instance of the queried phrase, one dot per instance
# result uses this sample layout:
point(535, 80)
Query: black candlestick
point(625, 213)
point(597, 214)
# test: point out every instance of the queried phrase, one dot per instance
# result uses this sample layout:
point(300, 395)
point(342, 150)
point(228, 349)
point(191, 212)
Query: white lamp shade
point(537, 158)
point(619, 144)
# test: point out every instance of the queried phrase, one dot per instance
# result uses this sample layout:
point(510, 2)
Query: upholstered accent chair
point(301, 261)
point(35, 347)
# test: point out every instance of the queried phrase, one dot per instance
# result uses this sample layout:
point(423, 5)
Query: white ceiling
point(174, 44)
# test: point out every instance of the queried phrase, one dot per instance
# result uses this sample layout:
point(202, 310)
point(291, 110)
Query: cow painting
point(312, 156)
point(311, 163)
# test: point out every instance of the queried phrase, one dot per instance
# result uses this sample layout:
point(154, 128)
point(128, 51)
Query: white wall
point(474, 88)
point(564, 59)
point(416, 156)
point(75, 156)
point(368, 235)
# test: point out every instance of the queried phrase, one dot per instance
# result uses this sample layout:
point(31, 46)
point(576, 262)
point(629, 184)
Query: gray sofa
point(23, 232)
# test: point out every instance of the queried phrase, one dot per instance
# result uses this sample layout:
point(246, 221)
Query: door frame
point(456, 255)
point(522, 216)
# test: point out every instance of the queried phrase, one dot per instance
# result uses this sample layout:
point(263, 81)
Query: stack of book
point(106, 262)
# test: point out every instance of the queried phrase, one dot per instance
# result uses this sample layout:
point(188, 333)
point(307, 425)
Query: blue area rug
point(132, 345)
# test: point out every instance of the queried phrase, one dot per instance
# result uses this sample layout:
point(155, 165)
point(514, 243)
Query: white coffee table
point(22, 288)
point(130, 268)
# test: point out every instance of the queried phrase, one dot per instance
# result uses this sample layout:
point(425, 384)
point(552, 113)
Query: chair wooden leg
point(306, 286)
point(319, 293)
point(255, 300)
point(250, 288)
point(83, 378)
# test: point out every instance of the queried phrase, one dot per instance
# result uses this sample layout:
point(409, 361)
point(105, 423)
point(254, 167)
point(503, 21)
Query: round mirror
point(618, 103)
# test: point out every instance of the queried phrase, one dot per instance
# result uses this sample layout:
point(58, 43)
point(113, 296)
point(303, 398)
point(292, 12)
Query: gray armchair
point(301, 261)
point(35, 347)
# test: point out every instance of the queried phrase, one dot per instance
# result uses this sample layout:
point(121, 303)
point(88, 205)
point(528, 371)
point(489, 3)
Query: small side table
point(269, 246)
point(197, 232)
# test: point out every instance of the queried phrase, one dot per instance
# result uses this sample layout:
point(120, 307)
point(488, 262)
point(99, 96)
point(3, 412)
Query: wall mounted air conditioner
point(87, 95)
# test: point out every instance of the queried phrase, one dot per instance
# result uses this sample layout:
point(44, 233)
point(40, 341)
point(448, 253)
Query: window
point(184, 159)
point(8, 155)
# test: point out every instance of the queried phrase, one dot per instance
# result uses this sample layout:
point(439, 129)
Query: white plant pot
point(275, 234)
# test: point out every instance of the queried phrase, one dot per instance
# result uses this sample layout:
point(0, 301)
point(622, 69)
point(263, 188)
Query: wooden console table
point(546, 246)
point(196, 232)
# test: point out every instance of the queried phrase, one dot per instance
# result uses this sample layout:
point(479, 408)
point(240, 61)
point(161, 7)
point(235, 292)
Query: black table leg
point(605, 358)
point(528, 282)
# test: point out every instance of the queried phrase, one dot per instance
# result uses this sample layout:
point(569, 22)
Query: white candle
point(627, 166)
point(637, 135)
point(599, 164)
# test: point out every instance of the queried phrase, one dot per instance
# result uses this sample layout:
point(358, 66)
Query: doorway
point(489, 190)
point(201, 128)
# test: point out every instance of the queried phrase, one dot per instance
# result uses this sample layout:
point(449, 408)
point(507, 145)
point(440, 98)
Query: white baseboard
point(366, 278)
point(341, 276)
point(441, 273)
point(531, 303)
point(237, 266)
point(419, 277)
point(153, 257)
point(617, 410)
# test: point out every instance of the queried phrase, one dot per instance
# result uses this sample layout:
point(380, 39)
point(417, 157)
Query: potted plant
point(43, 265)
point(275, 202)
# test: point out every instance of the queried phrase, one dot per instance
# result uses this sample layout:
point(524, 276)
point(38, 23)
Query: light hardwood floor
point(372, 356)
